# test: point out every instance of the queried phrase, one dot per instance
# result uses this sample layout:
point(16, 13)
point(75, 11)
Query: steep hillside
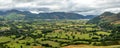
point(106, 17)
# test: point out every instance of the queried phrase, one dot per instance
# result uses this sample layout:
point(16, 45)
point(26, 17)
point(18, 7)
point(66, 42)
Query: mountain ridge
point(52, 15)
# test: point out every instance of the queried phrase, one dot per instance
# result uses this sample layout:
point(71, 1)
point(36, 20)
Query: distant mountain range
point(106, 17)
point(52, 15)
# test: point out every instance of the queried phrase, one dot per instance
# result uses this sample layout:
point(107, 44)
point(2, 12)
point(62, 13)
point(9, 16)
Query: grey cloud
point(22, 1)
point(81, 6)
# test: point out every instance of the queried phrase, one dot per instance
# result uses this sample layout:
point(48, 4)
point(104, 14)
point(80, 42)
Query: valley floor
point(55, 34)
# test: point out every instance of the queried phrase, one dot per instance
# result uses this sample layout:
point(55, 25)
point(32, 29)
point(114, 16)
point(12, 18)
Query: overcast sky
point(84, 7)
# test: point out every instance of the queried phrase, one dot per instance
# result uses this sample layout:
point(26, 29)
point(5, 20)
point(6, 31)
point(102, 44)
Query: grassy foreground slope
point(88, 46)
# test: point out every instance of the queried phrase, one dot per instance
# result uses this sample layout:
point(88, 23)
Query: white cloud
point(81, 6)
